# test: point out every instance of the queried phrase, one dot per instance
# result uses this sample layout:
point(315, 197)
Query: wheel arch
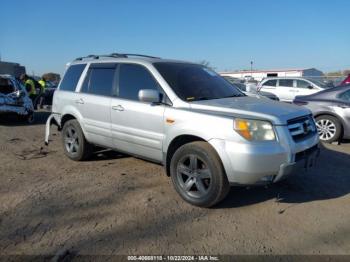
point(175, 143)
point(72, 114)
point(66, 118)
point(330, 114)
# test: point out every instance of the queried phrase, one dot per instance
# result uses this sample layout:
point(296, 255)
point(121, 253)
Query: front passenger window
point(133, 78)
point(302, 84)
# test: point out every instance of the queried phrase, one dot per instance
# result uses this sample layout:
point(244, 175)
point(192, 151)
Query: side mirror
point(310, 87)
point(149, 96)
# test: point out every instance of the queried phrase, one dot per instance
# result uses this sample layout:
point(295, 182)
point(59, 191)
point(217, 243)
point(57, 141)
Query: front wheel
point(198, 175)
point(75, 145)
point(329, 128)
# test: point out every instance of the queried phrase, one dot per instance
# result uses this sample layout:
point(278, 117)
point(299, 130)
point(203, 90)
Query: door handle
point(343, 106)
point(118, 108)
point(79, 101)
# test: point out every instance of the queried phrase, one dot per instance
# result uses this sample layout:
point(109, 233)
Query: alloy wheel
point(193, 175)
point(326, 129)
point(71, 140)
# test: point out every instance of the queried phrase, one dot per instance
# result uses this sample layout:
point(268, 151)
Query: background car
point(346, 81)
point(14, 99)
point(49, 91)
point(249, 89)
point(331, 109)
point(288, 88)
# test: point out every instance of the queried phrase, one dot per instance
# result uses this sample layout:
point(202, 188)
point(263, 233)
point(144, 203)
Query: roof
point(267, 71)
point(122, 58)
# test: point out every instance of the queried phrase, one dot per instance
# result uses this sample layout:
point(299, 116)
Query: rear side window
point(286, 82)
point(71, 77)
point(270, 83)
point(133, 78)
point(99, 80)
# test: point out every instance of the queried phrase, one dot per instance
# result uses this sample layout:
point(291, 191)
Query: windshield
point(192, 82)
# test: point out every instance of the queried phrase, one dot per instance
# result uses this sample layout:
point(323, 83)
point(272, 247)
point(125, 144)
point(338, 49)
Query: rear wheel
point(198, 175)
point(75, 145)
point(329, 128)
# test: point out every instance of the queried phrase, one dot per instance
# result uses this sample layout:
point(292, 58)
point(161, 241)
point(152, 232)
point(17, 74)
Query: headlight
point(254, 130)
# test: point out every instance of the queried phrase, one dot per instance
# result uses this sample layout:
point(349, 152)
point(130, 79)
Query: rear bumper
point(10, 109)
point(54, 119)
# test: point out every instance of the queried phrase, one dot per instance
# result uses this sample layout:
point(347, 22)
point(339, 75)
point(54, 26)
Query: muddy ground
point(116, 204)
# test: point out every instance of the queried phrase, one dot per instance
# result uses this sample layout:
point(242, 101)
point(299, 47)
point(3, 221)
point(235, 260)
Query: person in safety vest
point(29, 83)
point(32, 87)
point(42, 96)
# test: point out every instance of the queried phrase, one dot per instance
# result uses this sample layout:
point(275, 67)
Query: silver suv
point(206, 133)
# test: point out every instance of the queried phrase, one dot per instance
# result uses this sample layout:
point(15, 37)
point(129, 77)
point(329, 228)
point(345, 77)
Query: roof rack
point(142, 56)
point(114, 55)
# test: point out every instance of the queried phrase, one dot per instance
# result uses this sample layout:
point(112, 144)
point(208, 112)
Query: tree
point(53, 77)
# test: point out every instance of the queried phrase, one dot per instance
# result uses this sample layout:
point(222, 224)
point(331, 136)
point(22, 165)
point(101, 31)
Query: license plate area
point(308, 157)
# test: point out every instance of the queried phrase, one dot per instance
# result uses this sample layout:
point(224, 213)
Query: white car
point(288, 88)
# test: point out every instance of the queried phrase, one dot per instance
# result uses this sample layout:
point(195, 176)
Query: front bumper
point(249, 163)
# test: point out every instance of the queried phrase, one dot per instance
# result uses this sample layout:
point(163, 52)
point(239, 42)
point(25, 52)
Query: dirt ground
point(116, 204)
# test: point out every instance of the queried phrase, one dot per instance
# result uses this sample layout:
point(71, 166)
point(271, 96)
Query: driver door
point(137, 127)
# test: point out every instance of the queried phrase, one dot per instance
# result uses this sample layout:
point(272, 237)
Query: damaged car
point(14, 99)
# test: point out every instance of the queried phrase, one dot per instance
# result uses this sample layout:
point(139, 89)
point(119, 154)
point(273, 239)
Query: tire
point(329, 128)
point(74, 143)
point(30, 119)
point(198, 175)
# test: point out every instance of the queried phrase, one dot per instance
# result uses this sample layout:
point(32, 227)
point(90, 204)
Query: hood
point(251, 107)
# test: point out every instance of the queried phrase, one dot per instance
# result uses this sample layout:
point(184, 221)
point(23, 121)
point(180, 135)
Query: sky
point(45, 35)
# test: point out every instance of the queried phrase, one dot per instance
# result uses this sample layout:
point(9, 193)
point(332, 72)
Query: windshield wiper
point(234, 95)
point(198, 98)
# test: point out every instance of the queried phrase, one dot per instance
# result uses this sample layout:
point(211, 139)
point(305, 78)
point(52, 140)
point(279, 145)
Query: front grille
point(301, 128)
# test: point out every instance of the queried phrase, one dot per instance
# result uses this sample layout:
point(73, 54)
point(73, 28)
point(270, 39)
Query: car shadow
point(329, 179)
point(106, 154)
point(40, 118)
point(344, 141)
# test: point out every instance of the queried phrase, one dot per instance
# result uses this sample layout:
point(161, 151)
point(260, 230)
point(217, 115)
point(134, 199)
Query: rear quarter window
point(270, 83)
point(71, 77)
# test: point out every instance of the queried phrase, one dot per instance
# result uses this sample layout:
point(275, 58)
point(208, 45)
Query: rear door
point(137, 127)
point(94, 102)
point(286, 90)
point(342, 106)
